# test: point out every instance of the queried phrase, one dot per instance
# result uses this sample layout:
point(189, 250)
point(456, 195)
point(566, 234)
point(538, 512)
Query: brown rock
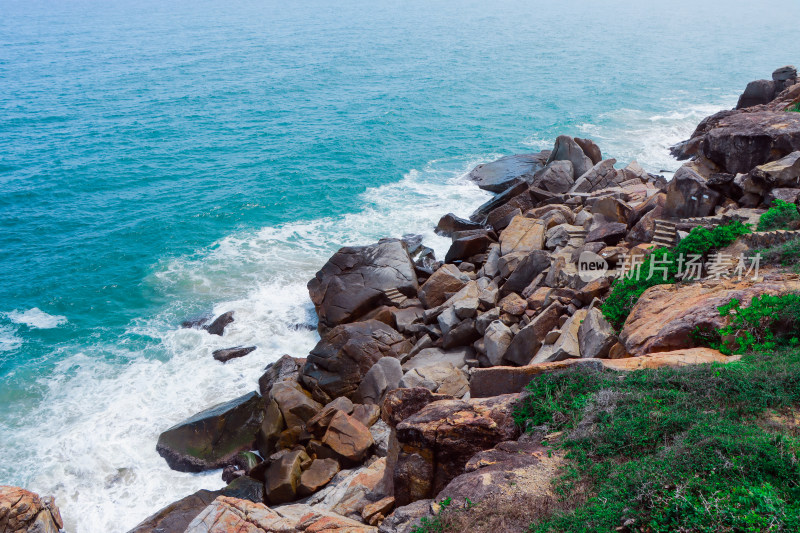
point(381, 507)
point(338, 362)
point(286, 368)
point(22, 511)
point(348, 438)
point(367, 414)
point(318, 424)
point(437, 442)
point(522, 235)
point(227, 354)
point(529, 339)
point(665, 316)
point(283, 476)
point(445, 282)
point(403, 403)
point(295, 404)
point(513, 304)
point(317, 476)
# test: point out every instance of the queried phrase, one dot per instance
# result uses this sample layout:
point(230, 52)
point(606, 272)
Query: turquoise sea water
point(164, 159)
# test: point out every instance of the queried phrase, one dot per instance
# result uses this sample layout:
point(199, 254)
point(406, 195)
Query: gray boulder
point(595, 335)
point(384, 376)
point(566, 149)
point(506, 172)
point(557, 177)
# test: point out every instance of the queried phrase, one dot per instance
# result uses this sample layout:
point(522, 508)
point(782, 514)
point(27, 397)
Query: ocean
point(161, 160)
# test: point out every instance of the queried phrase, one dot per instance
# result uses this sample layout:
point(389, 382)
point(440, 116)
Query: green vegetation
point(767, 323)
point(786, 254)
point(795, 107)
point(782, 215)
point(664, 266)
point(704, 448)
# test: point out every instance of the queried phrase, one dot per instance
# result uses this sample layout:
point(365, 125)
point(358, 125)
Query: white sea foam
point(92, 441)
point(8, 339)
point(36, 318)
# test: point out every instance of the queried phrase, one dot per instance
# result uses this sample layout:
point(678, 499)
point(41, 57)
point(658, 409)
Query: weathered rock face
point(283, 476)
point(756, 93)
point(442, 378)
point(451, 223)
point(566, 149)
point(557, 177)
point(689, 196)
point(506, 469)
point(595, 335)
point(351, 491)
point(353, 281)
point(348, 438)
point(175, 517)
point(600, 176)
point(738, 141)
point(284, 369)
point(445, 282)
point(506, 172)
point(384, 376)
point(403, 403)
point(212, 438)
point(22, 511)
point(231, 515)
point(294, 403)
point(665, 315)
point(522, 235)
point(436, 442)
point(338, 362)
point(529, 339)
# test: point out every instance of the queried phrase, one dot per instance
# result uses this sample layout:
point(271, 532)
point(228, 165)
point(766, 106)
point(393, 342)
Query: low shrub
point(768, 322)
point(795, 108)
point(782, 215)
point(786, 254)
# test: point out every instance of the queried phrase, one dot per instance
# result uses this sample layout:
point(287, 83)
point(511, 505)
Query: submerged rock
point(227, 354)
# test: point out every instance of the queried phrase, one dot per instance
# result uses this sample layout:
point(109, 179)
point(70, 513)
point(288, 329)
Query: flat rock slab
point(507, 171)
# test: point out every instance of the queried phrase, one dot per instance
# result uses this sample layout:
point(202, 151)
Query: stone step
point(631, 183)
point(395, 296)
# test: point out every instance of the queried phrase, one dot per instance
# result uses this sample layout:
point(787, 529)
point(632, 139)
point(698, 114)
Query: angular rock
point(339, 361)
point(318, 424)
point(610, 233)
point(403, 403)
point(283, 476)
point(212, 438)
point(429, 356)
point(286, 368)
point(756, 93)
point(450, 224)
point(175, 517)
point(600, 176)
point(513, 304)
point(566, 149)
point(350, 491)
point(317, 476)
point(465, 247)
point(348, 438)
point(522, 235)
point(295, 404)
point(353, 281)
point(595, 335)
point(22, 511)
point(567, 345)
point(436, 442)
point(384, 376)
point(464, 334)
point(441, 378)
point(497, 340)
point(529, 339)
point(689, 196)
point(445, 282)
point(270, 430)
point(557, 177)
point(591, 149)
point(525, 272)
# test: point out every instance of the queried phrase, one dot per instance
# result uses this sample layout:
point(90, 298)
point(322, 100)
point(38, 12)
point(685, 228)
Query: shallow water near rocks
point(161, 160)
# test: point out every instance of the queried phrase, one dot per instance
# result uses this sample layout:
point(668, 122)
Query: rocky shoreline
point(409, 396)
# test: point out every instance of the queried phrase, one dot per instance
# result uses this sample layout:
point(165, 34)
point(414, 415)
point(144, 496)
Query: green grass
point(795, 108)
point(685, 449)
point(786, 254)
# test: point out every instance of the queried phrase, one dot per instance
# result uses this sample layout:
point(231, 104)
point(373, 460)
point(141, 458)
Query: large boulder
point(525, 272)
point(600, 176)
point(354, 279)
point(22, 511)
point(384, 376)
point(353, 490)
point(175, 517)
point(566, 149)
point(756, 93)
point(212, 438)
point(666, 316)
point(527, 342)
point(567, 345)
point(507, 171)
point(441, 378)
point(688, 195)
point(349, 439)
point(738, 141)
point(436, 442)
point(340, 360)
point(283, 476)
